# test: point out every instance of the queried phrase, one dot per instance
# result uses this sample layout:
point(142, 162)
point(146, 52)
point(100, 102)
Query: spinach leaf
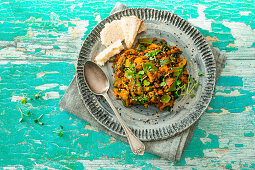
point(145, 41)
point(165, 99)
point(164, 62)
point(146, 83)
point(140, 48)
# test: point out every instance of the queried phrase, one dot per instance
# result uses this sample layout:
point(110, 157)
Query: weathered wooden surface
point(39, 44)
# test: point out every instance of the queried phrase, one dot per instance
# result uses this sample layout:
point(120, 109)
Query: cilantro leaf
point(146, 83)
point(141, 72)
point(163, 83)
point(60, 134)
point(38, 120)
point(178, 82)
point(200, 73)
point(24, 101)
point(114, 68)
point(149, 66)
point(178, 71)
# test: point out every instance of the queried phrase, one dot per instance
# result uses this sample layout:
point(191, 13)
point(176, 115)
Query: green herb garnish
point(24, 101)
point(168, 108)
point(60, 134)
point(115, 67)
point(178, 71)
point(152, 54)
point(116, 81)
point(132, 66)
point(124, 102)
point(187, 89)
point(38, 120)
point(163, 83)
point(192, 96)
point(140, 48)
point(129, 74)
point(178, 82)
point(141, 72)
point(145, 41)
point(140, 99)
point(200, 73)
point(38, 95)
point(23, 114)
point(164, 62)
point(123, 65)
point(149, 67)
point(151, 58)
point(172, 87)
point(165, 98)
point(146, 83)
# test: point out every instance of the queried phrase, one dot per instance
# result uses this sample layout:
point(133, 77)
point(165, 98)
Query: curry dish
point(151, 74)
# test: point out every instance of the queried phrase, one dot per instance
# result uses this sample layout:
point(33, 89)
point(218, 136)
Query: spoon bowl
point(95, 78)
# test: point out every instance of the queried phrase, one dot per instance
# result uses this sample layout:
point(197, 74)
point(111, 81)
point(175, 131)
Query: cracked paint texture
point(39, 45)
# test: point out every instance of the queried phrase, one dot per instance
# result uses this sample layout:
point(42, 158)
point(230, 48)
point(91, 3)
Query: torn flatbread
point(130, 26)
point(108, 52)
point(113, 32)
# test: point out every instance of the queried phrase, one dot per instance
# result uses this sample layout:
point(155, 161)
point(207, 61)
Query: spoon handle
point(136, 145)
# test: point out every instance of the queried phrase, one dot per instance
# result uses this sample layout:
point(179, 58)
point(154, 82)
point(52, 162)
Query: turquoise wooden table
point(39, 45)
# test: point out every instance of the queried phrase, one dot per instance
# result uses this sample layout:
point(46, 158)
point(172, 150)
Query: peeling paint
point(231, 94)
point(82, 134)
point(223, 111)
point(205, 140)
point(211, 39)
point(46, 86)
point(51, 95)
point(243, 38)
point(221, 151)
point(201, 20)
point(4, 62)
point(37, 141)
point(39, 75)
point(244, 13)
point(112, 140)
point(20, 62)
point(63, 87)
point(231, 45)
point(98, 18)
point(87, 127)
point(16, 98)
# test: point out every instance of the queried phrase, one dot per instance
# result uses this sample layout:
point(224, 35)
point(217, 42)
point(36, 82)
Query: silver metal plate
point(150, 123)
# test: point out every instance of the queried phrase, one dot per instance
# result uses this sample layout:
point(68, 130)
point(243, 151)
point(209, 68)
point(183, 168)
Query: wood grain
point(39, 44)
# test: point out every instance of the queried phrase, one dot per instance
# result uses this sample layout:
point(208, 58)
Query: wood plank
point(59, 34)
point(39, 44)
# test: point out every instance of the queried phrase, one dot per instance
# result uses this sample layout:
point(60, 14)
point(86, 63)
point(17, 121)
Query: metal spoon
point(99, 84)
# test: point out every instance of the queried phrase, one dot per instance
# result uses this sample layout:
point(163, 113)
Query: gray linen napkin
point(171, 148)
